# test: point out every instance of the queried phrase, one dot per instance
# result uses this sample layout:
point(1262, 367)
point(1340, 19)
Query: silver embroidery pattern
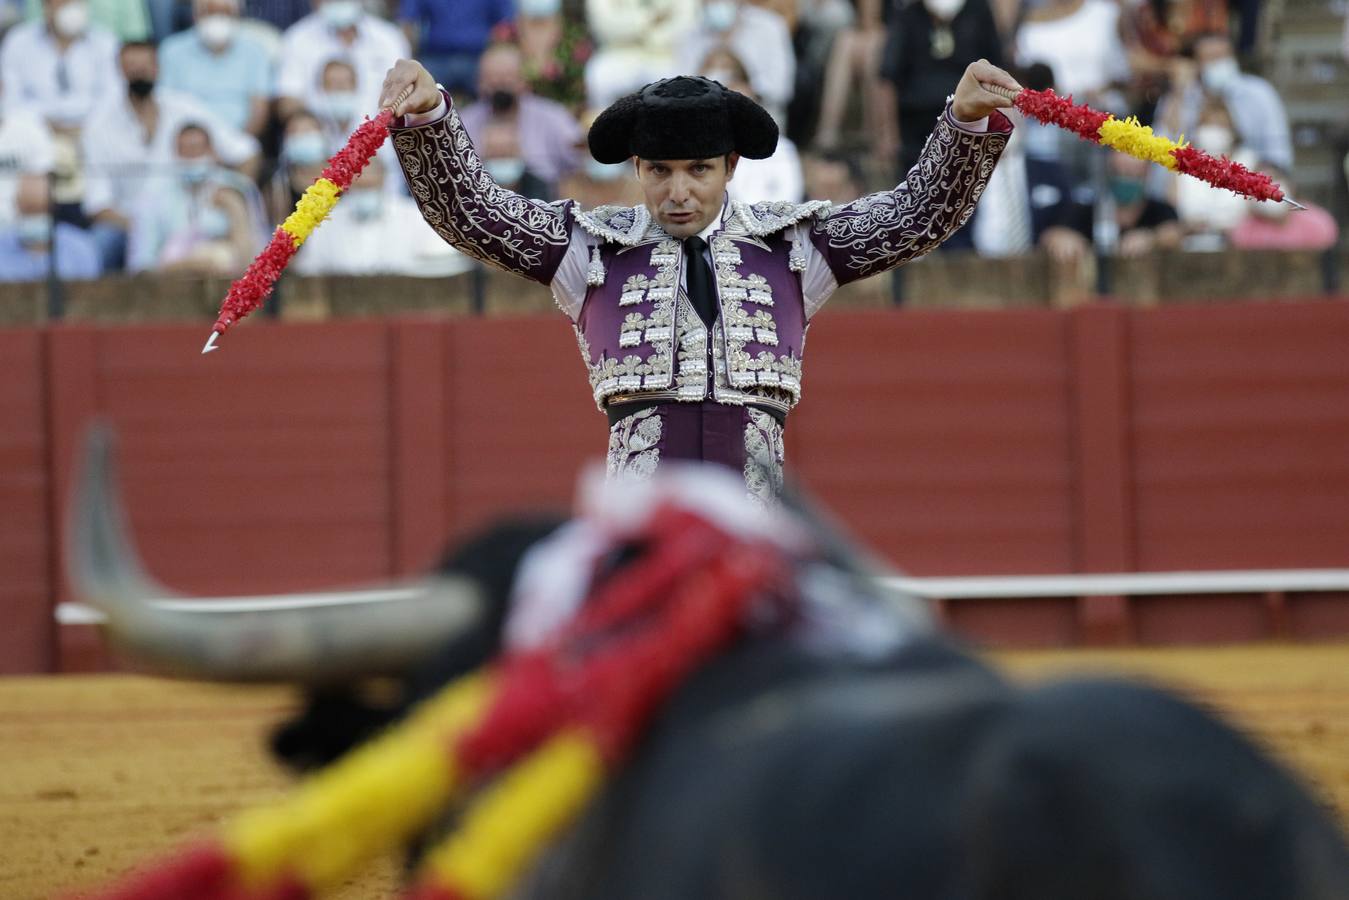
point(765, 456)
point(625, 225)
point(763, 219)
point(462, 203)
point(614, 376)
point(886, 229)
point(738, 327)
point(634, 450)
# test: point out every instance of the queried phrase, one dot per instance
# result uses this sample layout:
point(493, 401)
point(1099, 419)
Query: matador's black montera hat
point(687, 117)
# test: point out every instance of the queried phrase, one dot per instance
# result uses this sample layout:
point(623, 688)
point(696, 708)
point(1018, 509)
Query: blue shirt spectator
point(26, 245)
point(229, 71)
point(452, 34)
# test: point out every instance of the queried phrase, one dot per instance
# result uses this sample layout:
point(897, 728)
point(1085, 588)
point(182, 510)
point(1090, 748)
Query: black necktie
point(701, 292)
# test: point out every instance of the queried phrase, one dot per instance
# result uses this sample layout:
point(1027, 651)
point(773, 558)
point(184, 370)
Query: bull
point(833, 744)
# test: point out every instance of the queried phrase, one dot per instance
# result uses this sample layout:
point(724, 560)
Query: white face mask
point(71, 20)
point(720, 14)
point(341, 13)
point(505, 171)
point(946, 10)
point(1213, 139)
point(217, 31)
point(1218, 75)
point(599, 171)
point(339, 106)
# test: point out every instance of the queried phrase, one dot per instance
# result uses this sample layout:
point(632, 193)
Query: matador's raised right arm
point(470, 210)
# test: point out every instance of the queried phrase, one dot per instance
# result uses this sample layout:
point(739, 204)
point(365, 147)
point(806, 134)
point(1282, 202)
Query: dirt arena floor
point(102, 772)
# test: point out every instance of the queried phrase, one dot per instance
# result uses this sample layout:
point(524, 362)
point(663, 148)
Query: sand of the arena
point(102, 772)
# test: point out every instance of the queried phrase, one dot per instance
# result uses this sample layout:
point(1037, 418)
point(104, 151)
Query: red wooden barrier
point(1103, 439)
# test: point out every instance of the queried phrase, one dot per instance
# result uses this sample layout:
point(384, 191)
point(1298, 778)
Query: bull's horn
point(299, 638)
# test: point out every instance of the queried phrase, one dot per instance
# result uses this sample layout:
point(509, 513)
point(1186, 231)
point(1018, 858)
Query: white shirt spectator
point(65, 86)
point(1083, 48)
point(25, 146)
point(760, 40)
point(308, 45)
point(635, 44)
point(776, 178)
point(121, 163)
point(1257, 113)
point(372, 232)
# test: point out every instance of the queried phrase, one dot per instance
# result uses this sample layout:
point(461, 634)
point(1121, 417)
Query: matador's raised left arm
point(881, 231)
point(466, 207)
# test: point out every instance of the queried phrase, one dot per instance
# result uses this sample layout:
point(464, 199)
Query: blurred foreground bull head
point(686, 696)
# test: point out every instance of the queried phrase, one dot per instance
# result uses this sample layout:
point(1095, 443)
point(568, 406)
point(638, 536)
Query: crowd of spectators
point(168, 135)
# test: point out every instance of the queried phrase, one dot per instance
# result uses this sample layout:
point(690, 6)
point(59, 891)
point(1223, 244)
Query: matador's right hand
point(408, 73)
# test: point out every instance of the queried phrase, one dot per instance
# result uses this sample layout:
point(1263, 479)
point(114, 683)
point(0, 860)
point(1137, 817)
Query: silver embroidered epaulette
point(626, 225)
point(770, 217)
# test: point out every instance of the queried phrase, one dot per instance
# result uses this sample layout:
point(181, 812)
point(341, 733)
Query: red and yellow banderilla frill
point(1137, 140)
point(526, 743)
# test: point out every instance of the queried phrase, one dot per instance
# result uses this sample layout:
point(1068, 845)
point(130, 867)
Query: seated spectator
point(1277, 226)
point(526, 134)
point(25, 148)
point(636, 42)
point(776, 178)
point(1212, 73)
point(555, 50)
point(928, 46)
point(1081, 41)
point(225, 68)
point(758, 37)
point(205, 220)
point(30, 237)
point(1207, 213)
point(450, 37)
point(372, 231)
point(129, 139)
point(1141, 223)
point(1157, 31)
point(337, 106)
point(337, 28)
point(832, 177)
point(304, 153)
point(855, 61)
point(59, 65)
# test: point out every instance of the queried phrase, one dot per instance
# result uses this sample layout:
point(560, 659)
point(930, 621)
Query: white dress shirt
point(311, 43)
point(65, 87)
point(121, 162)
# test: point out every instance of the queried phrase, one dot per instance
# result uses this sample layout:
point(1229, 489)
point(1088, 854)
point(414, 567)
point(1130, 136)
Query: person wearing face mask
point(759, 39)
point(779, 176)
point(337, 29)
point(128, 142)
point(691, 309)
point(1277, 226)
point(636, 41)
point(204, 219)
point(226, 68)
point(61, 65)
point(554, 48)
point(30, 239)
point(450, 37)
point(1210, 72)
point(1207, 213)
point(928, 45)
point(543, 133)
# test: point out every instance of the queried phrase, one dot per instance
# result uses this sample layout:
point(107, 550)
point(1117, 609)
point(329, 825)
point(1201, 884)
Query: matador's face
point(684, 195)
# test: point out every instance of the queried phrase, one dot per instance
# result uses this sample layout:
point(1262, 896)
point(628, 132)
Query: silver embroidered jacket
point(774, 263)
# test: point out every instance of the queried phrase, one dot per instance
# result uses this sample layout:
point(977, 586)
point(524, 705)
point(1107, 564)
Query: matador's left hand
point(971, 101)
